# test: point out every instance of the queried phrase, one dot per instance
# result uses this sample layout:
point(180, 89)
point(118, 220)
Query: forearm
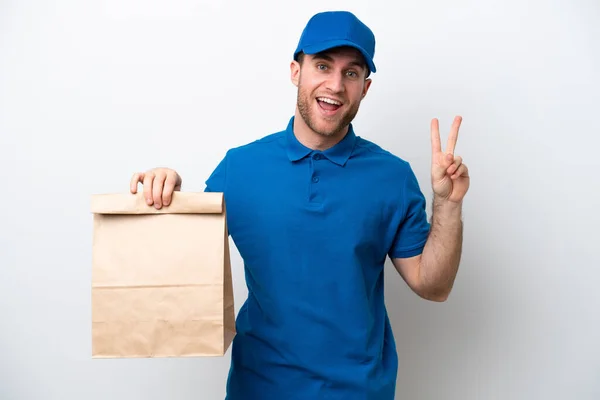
point(442, 252)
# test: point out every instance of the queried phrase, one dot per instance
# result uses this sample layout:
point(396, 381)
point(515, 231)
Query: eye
point(322, 67)
point(352, 74)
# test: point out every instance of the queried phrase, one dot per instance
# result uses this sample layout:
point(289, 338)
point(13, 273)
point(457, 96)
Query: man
point(314, 211)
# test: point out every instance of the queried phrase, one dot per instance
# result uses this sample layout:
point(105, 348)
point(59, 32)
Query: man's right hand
point(159, 184)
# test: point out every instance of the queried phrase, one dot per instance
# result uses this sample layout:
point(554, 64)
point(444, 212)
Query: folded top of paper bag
point(181, 203)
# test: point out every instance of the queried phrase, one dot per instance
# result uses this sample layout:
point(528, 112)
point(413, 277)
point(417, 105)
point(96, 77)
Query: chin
point(327, 127)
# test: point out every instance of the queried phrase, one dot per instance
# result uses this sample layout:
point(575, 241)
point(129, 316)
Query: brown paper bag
point(161, 279)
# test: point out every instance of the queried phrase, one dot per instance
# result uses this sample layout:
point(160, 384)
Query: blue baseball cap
point(330, 29)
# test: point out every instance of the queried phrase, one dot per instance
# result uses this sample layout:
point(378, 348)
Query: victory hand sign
point(449, 176)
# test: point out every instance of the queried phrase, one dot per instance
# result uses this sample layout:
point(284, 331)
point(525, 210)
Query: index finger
point(436, 145)
point(453, 136)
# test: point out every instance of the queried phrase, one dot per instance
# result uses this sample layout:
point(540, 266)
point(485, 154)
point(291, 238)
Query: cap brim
point(317, 48)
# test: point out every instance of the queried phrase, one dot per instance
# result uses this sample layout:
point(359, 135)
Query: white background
point(91, 92)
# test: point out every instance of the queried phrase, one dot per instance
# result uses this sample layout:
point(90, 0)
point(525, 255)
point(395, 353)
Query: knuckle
point(162, 173)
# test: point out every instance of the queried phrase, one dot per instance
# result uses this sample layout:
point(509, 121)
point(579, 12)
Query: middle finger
point(157, 189)
point(148, 188)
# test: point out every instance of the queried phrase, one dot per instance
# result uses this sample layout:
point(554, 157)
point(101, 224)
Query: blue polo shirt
point(314, 229)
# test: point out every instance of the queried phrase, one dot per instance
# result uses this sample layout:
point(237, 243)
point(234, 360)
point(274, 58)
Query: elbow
point(437, 295)
point(437, 298)
point(436, 290)
point(432, 287)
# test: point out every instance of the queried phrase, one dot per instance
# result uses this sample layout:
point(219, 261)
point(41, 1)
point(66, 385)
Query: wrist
point(445, 205)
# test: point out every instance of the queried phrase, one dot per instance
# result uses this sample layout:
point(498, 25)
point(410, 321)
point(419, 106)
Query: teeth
point(330, 101)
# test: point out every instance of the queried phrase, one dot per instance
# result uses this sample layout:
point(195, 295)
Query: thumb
point(135, 179)
point(444, 160)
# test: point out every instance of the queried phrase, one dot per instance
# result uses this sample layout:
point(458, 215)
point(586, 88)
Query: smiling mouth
point(328, 105)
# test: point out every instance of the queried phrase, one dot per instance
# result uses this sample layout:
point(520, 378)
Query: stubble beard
point(304, 101)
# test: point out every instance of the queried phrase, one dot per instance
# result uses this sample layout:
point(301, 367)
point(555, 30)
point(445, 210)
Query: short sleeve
point(412, 226)
point(217, 181)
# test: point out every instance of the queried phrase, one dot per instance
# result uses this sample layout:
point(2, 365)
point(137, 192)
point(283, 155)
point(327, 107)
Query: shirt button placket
point(316, 195)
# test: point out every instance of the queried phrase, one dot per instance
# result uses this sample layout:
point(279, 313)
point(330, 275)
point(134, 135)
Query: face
point(330, 88)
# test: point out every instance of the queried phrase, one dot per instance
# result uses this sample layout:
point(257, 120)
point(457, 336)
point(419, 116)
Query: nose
point(335, 83)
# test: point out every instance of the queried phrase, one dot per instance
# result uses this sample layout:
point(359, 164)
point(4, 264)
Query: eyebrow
point(355, 62)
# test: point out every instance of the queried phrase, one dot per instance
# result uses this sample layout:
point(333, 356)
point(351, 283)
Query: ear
point(295, 72)
point(368, 82)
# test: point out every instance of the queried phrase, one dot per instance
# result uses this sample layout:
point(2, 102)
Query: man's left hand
point(449, 176)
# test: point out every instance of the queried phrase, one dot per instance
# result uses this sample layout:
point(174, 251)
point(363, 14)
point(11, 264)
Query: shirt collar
point(339, 154)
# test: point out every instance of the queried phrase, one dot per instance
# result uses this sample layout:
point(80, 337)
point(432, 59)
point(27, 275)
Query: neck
point(312, 139)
